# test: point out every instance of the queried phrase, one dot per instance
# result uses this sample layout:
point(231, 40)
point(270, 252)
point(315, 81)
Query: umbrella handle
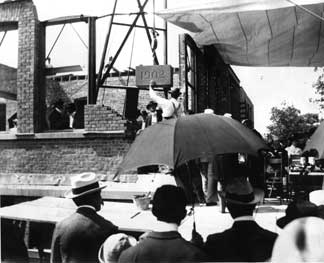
point(193, 199)
point(193, 218)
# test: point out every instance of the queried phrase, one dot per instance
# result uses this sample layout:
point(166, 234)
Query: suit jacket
point(13, 248)
point(163, 247)
point(244, 241)
point(79, 237)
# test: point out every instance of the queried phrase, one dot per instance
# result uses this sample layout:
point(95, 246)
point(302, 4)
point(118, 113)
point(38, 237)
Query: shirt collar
point(165, 227)
point(244, 218)
point(88, 206)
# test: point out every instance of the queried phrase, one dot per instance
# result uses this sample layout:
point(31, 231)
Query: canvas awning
point(256, 32)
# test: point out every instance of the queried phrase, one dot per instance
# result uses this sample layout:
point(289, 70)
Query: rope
point(306, 10)
point(79, 36)
point(154, 43)
point(154, 15)
point(104, 90)
point(3, 37)
point(131, 56)
point(49, 53)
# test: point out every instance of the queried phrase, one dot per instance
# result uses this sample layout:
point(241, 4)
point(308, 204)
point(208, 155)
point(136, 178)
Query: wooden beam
point(53, 71)
point(127, 87)
point(8, 95)
point(65, 20)
point(8, 26)
point(139, 26)
point(92, 89)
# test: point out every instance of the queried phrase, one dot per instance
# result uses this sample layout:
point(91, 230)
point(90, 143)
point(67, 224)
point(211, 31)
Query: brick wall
point(62, 156)
point(22, 15)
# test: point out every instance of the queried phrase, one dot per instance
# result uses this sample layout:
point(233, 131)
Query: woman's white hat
point(317, 197)
point(209, 111)
point(111, 249)
point(302, 240)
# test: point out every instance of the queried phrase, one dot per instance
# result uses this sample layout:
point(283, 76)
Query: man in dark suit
point(79, 237)
point(245, 240)
point(165, 244)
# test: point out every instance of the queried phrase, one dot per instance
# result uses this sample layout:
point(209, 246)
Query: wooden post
point(92, 92)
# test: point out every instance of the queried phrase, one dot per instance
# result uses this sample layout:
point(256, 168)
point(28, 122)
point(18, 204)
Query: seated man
point(245, 240)
point(164, 243)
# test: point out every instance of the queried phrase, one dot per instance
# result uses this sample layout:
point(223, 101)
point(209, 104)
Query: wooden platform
point(129, 218)
point(114, 190)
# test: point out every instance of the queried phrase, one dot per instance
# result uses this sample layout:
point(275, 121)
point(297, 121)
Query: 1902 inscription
point(161, 74)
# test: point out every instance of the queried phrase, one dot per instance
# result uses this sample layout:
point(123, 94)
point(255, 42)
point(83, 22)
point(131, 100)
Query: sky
point(266, 87)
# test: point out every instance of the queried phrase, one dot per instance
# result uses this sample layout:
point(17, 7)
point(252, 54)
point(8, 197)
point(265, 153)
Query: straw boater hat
point(240, 191)
point(228, 115)
point(209, 111)
point(83, 184)
point(111, 249)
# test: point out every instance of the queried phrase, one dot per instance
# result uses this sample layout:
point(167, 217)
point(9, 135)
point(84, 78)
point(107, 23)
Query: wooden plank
point(127, 87)
point(53, 71)
point(114, 191)
point(49, 209)
point(52, 210)
point(59, 191)
point(8, 95)
point(34, 179)
point(8, 26)
point(65, 20)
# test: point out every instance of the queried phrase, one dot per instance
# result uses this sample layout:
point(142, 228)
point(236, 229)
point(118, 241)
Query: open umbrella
point(175, 142)
point(316, 141)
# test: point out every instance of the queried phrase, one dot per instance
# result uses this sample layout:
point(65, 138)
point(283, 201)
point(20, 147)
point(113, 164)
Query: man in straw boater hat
point(79, 237)
point(245, 240)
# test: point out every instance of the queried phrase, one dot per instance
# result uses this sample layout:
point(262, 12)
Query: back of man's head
point(169, 204)
point(241, 197)
point(237, 210)
point(92, 199)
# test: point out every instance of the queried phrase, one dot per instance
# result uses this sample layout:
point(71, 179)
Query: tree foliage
point(287, 122)
point(319, 89)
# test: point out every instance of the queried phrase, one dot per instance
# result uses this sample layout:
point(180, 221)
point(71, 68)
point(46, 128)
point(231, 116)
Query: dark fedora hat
point(240, 191)
point(297, 209)
point(175, 91)
point(151, 104)
point(83, 184)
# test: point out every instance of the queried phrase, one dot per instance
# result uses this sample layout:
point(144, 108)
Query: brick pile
point(102, 118)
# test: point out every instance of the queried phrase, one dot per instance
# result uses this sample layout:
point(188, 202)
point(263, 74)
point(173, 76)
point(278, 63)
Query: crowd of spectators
point(85, 236)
